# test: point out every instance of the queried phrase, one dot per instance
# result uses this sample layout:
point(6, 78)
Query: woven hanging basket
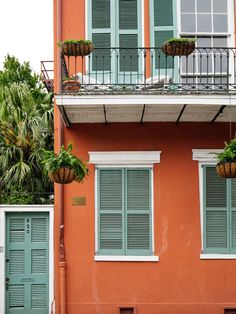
point(178, 48)
point(226, 170)
point(76, 49)
point(71, 85)
point(63, 176)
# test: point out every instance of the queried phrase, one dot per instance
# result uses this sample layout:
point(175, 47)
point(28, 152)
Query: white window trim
point(4, 209)
point(122, 159)
point(206, 157)
point(217, 256)
point(121, 258)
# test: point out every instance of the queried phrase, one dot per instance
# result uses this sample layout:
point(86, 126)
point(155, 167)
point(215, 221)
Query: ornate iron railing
point(149, 70)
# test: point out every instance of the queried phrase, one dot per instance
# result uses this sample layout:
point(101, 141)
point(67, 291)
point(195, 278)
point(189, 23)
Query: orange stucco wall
point(180, 282)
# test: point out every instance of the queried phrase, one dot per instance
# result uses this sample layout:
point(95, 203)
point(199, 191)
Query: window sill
point(217, 256)
point(121, 258)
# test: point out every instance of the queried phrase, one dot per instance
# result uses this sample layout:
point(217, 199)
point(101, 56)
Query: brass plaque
point(79, 201)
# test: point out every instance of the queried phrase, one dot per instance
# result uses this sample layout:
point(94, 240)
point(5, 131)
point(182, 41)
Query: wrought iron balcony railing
point(148, 70)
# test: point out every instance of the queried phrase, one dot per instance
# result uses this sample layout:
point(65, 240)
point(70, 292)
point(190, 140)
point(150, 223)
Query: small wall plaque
point(79, 201)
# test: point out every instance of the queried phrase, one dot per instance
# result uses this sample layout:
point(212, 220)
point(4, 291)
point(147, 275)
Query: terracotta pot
point(75, 49)
point(71, 85)
point(226, 170)
point(63, 176)
point(178, 48)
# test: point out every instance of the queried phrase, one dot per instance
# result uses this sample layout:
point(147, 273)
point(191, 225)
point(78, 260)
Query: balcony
point(148, 70)
point(143, 84)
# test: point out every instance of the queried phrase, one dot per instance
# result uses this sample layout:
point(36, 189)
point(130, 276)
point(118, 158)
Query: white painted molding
point(121, 258)
point(205, 155)
point(134, 158)
point(217, 256)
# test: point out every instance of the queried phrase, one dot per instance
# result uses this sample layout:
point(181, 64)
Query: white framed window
point(217, 208)
point(124, 205)
point(210, 22)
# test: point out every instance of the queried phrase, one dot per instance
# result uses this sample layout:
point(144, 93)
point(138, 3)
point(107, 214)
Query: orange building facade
point(152, 229)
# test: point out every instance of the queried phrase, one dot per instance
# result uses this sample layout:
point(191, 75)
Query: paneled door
point(27, 262)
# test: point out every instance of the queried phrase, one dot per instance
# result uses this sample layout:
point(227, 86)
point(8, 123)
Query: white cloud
point(26, 30)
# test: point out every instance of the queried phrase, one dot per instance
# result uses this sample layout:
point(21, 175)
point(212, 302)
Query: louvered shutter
point(110, 211)
point(216, 238)
point(233, 216)
point(129, 38)
point(101, 35)
point(27, 258)
point(101, 14)
point(163, 26)
point(138, 213)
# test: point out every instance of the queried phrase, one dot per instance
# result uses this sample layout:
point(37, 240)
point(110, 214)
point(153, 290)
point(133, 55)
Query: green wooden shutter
point(162, 27)
point(233, 217)
point(138, 213)
point(129, 37)
point(216, 239)
point(101, 14)
point(100, 34)
point(110, 211)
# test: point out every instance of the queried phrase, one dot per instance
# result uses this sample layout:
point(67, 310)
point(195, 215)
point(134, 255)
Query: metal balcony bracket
point(143, 111)
point(180, 114)
point(218, 113)
point(64, 116)
point(105, 114)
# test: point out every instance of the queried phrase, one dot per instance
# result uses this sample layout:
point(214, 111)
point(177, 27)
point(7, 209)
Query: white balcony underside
point(147, 108)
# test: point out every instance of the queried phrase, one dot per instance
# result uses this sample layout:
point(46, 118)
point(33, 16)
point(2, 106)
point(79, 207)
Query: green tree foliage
point(15, 72)
point(26, 130)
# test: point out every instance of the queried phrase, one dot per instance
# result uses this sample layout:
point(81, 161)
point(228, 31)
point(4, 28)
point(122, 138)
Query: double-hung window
point(210, 23)
point(219, 213)
point(124, 211)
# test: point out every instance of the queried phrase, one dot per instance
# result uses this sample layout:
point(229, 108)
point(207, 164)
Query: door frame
point(4, 209)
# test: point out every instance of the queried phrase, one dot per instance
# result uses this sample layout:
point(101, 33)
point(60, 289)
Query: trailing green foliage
point(75, 41)
point(53, 162)
point(228, 154)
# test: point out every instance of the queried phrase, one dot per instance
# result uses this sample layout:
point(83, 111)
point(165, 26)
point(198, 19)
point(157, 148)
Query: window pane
point(220, 23)
point(219, 42)
point(188, 6)
point(220, 6)
point(188, 23)
point(204, 23)
point(204, 6)
point(204, 42)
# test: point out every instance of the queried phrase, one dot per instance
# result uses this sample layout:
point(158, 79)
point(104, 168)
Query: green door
point(27, 238)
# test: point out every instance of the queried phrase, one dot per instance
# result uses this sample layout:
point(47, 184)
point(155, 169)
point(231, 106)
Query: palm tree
point(26, 129)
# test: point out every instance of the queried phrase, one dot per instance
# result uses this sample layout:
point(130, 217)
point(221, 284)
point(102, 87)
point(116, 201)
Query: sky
point(26, 31)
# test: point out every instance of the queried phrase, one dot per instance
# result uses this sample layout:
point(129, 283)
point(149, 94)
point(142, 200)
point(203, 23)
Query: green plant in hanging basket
point(178, 46)
point(64, 167)
point(74, 47)
point(226, 160)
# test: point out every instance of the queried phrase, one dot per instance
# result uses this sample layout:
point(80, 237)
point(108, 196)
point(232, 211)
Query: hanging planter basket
point(62, 176)
point(76, 49)
point(178, 48)
point(71, 85)
point(226, 170)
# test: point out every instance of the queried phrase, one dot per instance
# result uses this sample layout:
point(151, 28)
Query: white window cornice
point(206, 155)
point(134, 158)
